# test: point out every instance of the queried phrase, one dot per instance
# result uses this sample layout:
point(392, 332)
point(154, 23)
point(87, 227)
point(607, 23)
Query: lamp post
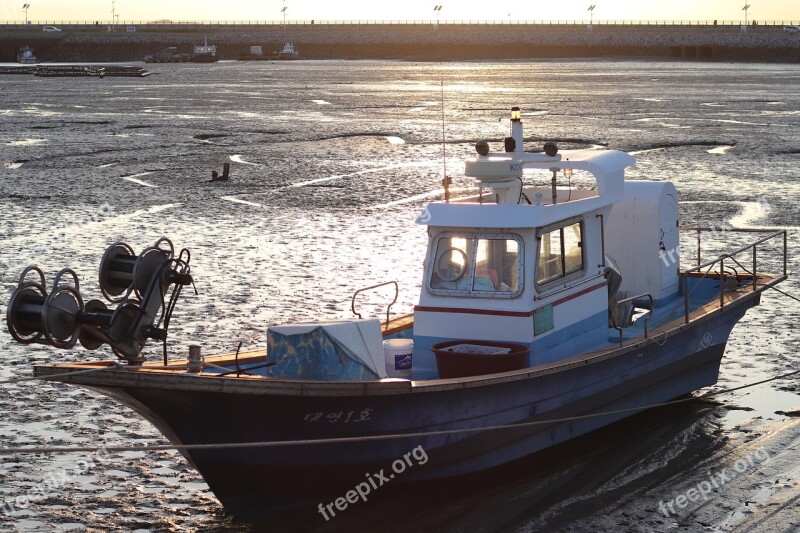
point(113, 15)
point(591, 14)
point(26, 7)
point(745, 8)
point(284, 19)
point(438, 10)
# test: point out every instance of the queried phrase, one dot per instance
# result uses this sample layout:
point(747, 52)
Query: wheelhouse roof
point(607, 166)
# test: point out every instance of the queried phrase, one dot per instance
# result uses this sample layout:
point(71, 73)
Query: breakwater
point(421, 41)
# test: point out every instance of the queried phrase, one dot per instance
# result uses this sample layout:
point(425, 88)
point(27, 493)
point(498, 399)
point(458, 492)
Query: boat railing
point(379, 285)
point(716, 231)
point(704, 269)
point(633, 299)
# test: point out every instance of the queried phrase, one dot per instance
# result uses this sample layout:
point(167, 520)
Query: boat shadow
point(546, 491)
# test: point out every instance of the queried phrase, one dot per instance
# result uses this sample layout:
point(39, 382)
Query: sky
point(320, 10)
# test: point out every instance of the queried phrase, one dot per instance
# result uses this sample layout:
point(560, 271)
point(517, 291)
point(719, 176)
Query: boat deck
point(244, 372)
point(704, 296)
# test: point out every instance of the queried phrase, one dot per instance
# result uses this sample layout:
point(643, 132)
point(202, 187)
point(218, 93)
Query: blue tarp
point(314, 355)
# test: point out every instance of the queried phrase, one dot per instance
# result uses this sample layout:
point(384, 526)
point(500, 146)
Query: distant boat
point(167, 55)
point(289, 51)
point(26, 57)
point(204, 53)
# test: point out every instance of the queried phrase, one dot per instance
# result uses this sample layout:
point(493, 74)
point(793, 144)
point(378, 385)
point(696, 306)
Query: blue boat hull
point(256, 481)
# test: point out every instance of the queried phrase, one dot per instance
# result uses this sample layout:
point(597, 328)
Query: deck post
point(721, 281)
point(698, 246)
point(686, 297)
point(755, 267)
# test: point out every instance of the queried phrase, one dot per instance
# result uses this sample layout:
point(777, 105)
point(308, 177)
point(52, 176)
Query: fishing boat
point(69, 71)
point(546, 311)
point(288, 51)
point(167, 55)
point(26, 57)
point(204, 53)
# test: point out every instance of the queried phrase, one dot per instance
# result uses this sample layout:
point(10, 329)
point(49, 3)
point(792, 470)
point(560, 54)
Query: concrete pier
point(421, 41)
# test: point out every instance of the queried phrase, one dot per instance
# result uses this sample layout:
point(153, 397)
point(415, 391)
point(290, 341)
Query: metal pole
point(445, 181)
point(722, 281)
point(602, 240)
point(784, 252)
point(698, 246)
point(755, 266)
point(686, 298)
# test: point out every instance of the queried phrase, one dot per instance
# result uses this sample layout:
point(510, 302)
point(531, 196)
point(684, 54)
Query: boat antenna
point(445, 180)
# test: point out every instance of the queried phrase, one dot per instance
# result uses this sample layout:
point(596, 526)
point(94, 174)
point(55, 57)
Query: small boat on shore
point(18, 70)
point(288, 51)
point(69, 71)
point(26, 57)
point(167, 55)
point(125, 71)
point(204, 53)
point(546, 312)
point(82, 71)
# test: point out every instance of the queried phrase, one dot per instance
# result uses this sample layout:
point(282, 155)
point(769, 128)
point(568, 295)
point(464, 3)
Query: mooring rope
point(368, 438)
point(786, 294)
point(53, 376)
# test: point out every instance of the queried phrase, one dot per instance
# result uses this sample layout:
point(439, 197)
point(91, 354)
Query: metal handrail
point(630, 299)
point(730, 255)
point(700, 229)
point(388, 308)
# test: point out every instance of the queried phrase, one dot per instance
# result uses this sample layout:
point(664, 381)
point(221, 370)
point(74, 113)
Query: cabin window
point(560, 254)
point(477, 265)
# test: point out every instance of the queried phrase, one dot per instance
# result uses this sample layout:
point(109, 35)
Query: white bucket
point(398, 354)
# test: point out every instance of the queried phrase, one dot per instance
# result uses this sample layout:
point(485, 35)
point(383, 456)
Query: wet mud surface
point(331, 162)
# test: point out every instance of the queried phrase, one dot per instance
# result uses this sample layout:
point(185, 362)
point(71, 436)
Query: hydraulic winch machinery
point(144, 287)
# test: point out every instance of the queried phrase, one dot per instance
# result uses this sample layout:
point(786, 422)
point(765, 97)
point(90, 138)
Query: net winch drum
point(122, 272)
point(33, 312)
point(60, 317)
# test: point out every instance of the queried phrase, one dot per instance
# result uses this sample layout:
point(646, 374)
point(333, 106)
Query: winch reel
point(34, 313)
point(122, 272)
point(139, 284)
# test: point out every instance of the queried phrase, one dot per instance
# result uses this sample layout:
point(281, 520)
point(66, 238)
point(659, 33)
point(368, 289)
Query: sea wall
point(414, 41)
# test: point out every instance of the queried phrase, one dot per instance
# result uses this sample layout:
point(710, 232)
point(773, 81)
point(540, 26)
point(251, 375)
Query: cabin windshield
point(560, 253)
point(476, 265)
